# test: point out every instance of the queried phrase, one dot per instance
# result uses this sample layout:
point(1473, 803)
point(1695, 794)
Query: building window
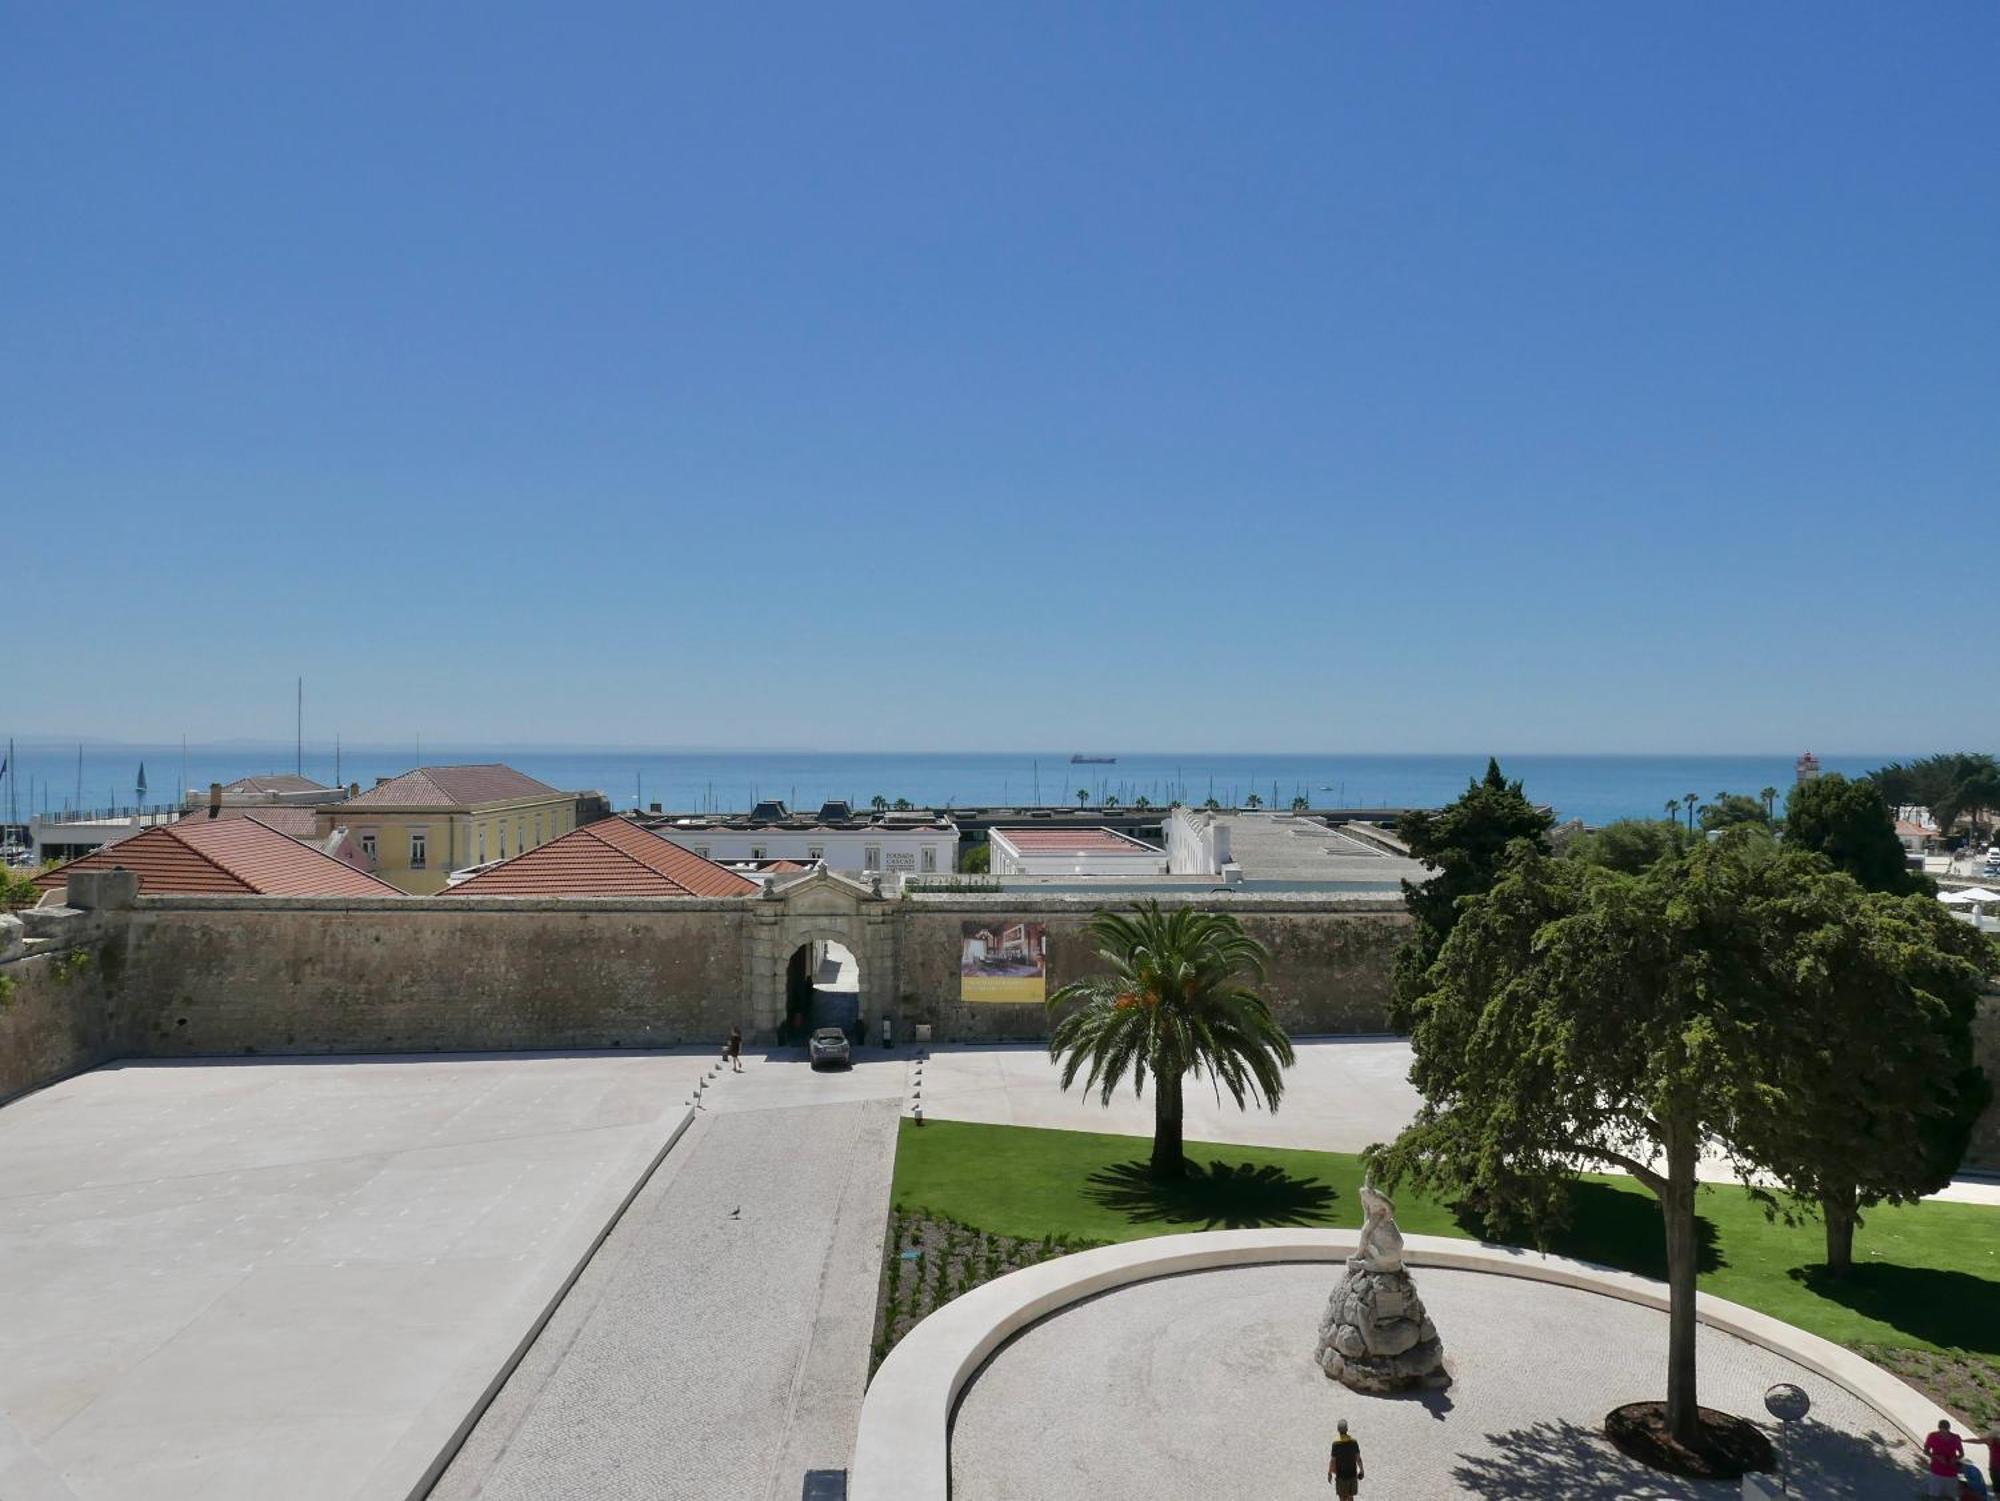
point(930, 857)
point(503, 841)
point(419, 848)
point(871, 857)
point(482, 844)
point(538, 828)
point(815, 852)
point(520, 833)
point(368, 843)
point(756, 852)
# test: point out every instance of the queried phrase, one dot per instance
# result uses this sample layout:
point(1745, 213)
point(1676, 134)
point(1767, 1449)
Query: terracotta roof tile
point(452, 787)
point(244, 856)
point(279, 782)
point(300, 823)
point(1075, 842)
point(612, 857)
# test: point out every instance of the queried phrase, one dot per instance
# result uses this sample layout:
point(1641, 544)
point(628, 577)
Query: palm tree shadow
point(1563, 1461)
point(1216, 1196)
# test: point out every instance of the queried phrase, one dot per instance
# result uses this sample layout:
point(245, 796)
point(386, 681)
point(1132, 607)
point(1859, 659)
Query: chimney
point(354, 789)
point(214, 799)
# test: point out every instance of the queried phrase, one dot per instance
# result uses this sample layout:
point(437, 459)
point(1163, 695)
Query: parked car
point(829, 1045)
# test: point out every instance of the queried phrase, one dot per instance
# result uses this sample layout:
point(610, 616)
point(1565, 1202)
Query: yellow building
point(416, 829)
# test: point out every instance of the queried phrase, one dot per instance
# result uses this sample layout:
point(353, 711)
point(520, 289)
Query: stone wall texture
point(446, 976)
point(54, 1019)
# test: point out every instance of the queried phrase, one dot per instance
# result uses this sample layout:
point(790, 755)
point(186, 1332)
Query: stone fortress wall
point(181, 976)
point(126, 976)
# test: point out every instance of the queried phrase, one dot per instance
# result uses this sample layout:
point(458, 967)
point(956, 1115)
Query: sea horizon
point(1594, 787)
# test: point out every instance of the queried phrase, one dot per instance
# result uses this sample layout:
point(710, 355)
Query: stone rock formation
point(1375, 1335)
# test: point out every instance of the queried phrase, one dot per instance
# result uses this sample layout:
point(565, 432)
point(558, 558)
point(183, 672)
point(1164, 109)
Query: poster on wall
point(1003, 961)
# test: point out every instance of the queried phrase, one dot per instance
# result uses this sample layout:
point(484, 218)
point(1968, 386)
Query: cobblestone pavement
point(1203, 1386)
point(717, 1345)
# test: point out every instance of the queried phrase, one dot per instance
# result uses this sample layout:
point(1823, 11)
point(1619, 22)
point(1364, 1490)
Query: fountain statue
point(1375, 1336)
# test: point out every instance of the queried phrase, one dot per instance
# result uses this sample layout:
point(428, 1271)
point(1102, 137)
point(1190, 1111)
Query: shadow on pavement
point(1567, 1462)
point(1214, 1195)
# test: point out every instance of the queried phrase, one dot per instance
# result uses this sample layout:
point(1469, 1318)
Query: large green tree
point(1851, 825)
point(1177, 999)
point(1882, 1108)
point(1464, 841)
point(1730, 809)
point(1952, 785)
point(1630, 845)
point(1580, 1018)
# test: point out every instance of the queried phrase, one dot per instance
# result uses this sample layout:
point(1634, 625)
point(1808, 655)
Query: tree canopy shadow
point(1214, 1195)
point(1563, 1461)
point(1952, 1309)
point(1609, 1226)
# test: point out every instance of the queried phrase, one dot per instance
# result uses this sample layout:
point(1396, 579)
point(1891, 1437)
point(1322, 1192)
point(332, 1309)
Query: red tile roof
point(240, 856)
point(612, 857)
point(300, 823)
point(452, 787)
point(1075, 842)
point(278, 782)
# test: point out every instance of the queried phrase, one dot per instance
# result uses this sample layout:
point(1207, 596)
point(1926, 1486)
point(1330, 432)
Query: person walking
point(1343, 1466)
point(734, 1050)
point(1946, 1453)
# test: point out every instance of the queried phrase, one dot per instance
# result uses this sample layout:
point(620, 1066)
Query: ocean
point(1595, 789)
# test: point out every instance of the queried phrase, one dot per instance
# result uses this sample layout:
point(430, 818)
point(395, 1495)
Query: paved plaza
point(293, 1278)
point(717, 1346)
point(1202, 1386)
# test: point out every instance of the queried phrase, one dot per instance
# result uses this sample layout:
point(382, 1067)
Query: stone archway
point(814, 910)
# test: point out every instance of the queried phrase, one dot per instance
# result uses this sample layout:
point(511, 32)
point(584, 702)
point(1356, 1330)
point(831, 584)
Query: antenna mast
point(299, 743)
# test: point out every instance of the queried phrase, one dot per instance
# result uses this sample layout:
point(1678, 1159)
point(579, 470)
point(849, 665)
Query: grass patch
point(1926, 1277)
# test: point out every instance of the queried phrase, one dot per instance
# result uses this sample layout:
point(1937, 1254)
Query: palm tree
point(1082, 796)
point(1674, 809)
point(1110, 799)
point(1690, 800)
point(878, 802)
point(1299, 804)
point(903, 805)
point(1253, 801)
point(1142, 802)
point(1175, 1003)
point(1769, 796)
point(1212, 805)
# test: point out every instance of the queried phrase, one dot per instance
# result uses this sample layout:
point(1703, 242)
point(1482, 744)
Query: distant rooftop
point(1288, 847)
point(301, 821)
point(1074, 842)
point(277, 782)
point(613, 857)
point(453, 787)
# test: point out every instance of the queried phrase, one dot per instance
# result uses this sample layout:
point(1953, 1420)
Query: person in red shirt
point(1945, 1453)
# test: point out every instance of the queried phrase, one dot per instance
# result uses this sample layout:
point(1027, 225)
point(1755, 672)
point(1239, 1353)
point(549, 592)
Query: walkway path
point(717, 1345)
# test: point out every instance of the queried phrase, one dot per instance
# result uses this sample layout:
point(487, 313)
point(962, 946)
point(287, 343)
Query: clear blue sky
point(1573, 377)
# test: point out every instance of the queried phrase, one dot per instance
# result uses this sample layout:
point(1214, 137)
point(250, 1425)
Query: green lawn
point(1926, 1277)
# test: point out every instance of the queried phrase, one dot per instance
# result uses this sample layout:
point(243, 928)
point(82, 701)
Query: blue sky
point(1393, 377)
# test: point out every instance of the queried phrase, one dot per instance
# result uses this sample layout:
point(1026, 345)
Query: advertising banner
point(1003, 961)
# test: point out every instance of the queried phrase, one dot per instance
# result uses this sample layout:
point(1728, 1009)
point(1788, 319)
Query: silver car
point(830, 1045)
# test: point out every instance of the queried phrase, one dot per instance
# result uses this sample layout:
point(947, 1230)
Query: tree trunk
point(1839, 1211)
point(1677, 1209)
point(1169, 1161)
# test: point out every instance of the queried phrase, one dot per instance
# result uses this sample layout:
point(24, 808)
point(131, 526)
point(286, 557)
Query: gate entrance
point(822, 989)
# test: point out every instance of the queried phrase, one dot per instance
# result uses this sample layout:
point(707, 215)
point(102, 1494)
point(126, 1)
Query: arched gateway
point(808, 914)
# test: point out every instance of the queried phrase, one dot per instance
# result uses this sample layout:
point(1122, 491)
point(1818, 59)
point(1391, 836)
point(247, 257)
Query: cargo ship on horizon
point(1079, 759)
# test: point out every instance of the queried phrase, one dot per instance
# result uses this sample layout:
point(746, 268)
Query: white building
point(1072, 852)
point(1282, 849)
point(853, 846)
